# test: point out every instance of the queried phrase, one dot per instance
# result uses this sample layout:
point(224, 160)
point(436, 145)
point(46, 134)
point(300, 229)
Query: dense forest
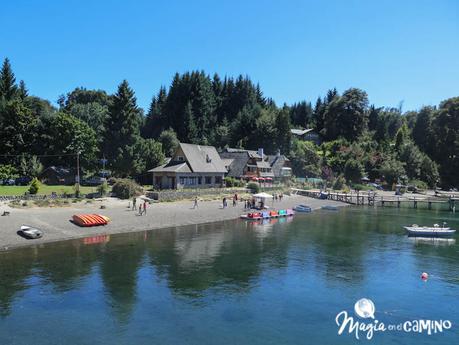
point(358, 139)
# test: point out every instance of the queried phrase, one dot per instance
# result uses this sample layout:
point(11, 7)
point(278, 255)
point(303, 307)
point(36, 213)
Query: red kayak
point(90, 219)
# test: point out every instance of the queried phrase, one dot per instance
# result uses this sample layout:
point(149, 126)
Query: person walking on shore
point(145, 207)
point(234, 201)
point(195, 203)
point(224, 202)
point(140, 210)
point(134, 204)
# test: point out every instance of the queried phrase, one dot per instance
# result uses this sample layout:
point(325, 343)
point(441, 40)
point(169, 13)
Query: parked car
point(93, 181)
point(8, 182)
point(375, 185)
point(22, 181)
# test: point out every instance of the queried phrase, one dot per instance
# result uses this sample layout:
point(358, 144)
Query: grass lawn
point(44, 189)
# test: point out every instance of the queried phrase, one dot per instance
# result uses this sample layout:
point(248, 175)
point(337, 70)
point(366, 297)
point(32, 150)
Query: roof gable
point(202, 158)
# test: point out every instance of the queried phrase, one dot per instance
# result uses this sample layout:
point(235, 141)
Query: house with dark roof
point(57, 175)
point(191, 166)
point(247, 164)
point(281, 167)
point(308, 134)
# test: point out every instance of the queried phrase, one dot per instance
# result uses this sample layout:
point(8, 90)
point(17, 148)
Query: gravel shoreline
point(56, 224)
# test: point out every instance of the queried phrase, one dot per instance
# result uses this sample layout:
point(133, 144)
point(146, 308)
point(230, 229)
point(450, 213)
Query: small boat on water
point(268, 214)
point(302, 208)
point(426, 231)
point(30, 232)
point(330, 207)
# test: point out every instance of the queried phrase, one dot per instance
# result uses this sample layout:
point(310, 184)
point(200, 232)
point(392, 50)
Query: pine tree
point(8, 86)
point(122, 135)
point(283, 130)
point(190, 125)
point(22, 91)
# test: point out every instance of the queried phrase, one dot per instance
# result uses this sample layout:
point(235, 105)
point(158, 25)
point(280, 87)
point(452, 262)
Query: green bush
point(126, 189)
point(232, 182)
point(419, 184)
point(34, 186)
point(229, 181)
point(359, 186)
point(339, 183)
point(254, 187)
point(103, 188)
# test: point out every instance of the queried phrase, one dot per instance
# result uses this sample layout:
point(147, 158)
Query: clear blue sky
point(395, 50)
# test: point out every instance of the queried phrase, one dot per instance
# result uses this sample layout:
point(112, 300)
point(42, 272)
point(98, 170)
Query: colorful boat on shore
point(90, 219)
point(268, 214)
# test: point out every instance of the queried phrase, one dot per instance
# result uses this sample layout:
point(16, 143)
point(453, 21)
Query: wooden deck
point(373, 199)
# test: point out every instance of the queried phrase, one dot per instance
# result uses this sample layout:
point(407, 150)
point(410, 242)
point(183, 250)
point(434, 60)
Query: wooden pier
point(373, 199)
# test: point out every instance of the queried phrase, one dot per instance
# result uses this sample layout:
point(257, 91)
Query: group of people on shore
point(277, 197)
point(235, 200)
point(248, 203)
point(142, 206)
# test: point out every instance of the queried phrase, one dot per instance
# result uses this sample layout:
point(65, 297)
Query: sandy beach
point(56, 224)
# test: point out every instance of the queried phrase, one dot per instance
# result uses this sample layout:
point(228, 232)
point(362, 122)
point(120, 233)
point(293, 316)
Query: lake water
point(235, 283)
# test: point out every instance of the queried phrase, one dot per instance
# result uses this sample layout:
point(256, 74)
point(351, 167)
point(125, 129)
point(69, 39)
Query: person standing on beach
point(134, 202)
point(234, 201)
point(145, 207)
point(224, 202)
point(195, 203)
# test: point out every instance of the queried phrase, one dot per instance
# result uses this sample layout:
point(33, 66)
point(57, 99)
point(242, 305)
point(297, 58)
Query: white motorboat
point(429, 231)
point(30, 232)
point(302, 208)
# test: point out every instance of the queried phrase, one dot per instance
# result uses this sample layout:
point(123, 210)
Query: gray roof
point(227, 161)
point(277, 163)
point(240, 159)
point(251, 153)
point(172, 167)
point(263, 164)
point(203, 159)
point(300, 132)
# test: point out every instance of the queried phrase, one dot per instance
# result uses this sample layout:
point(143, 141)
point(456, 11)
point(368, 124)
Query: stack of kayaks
point(267, 215)
point(90, 219)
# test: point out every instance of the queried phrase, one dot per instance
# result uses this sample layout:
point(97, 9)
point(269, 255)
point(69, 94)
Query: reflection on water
point(271, 281)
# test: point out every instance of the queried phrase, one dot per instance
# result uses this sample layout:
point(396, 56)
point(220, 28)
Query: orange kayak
point(90, 219)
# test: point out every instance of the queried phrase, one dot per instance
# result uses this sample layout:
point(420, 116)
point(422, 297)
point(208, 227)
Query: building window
point(199, 180)
point(208, 179)
point(180, 158)
point(218, 179)
point(182, 180)
point(192, 181)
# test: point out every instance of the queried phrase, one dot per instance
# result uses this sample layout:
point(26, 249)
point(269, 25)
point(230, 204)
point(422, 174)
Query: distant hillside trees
point(358, 139)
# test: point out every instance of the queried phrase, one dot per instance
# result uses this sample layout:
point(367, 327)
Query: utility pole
point(78, 175)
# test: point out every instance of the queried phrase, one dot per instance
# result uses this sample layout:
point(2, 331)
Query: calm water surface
point(234, 283)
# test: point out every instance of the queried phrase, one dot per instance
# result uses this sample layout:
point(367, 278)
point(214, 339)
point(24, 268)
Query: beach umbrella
point(263, 196)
